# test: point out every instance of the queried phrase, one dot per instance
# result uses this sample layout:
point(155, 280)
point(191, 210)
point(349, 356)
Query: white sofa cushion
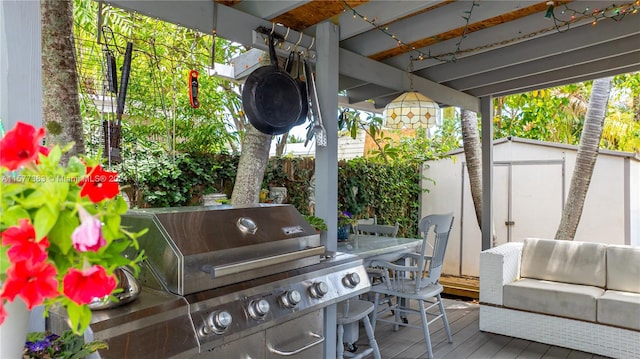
point(623, 268)
point(621, 309)
point(564, 261)
point(555, 298)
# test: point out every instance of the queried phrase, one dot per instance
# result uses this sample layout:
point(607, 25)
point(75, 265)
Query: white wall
point(20, 63)
point(531, 182)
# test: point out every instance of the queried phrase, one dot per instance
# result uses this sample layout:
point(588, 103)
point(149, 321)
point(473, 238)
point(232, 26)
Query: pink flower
point(88, 235)
point(83, 286)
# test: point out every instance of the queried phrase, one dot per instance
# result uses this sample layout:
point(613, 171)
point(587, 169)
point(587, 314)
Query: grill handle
point(233, 268)
point(319, 339)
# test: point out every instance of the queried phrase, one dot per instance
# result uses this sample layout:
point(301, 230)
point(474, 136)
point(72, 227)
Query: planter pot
point(343, 232)
point(278, 194)
point(13, 332)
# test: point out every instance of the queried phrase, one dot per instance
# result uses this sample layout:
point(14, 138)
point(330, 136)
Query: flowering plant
point(345, 219)
point(60, 228)
point(65, 346)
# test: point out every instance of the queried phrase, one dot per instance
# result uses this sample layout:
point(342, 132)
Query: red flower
point(43, 150)
point(20, 145)
point(83, 286)
point(99, 184)
point(3, 312)
point(22, 239)
point(32, 281)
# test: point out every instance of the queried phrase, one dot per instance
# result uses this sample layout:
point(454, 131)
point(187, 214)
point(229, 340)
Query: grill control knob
point(291, 298)
point(318, 289)
point(351, 280)
point(217, 322)
point(258, 308)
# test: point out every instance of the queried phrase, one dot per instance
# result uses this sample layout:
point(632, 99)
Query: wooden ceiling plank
point(423, 25)
point(563, 60)
point(268, 9)
point(458, 32)
point(313, 12)
point(531, 50)
point(384, 13)
point(559, 82)
point(555, 77)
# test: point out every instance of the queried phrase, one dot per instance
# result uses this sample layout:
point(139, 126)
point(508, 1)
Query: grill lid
point(191, 249)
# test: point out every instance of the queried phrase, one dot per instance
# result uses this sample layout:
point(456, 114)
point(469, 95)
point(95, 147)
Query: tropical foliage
point(557, 114)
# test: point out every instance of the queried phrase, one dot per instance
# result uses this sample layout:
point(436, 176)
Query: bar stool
point(351, 311)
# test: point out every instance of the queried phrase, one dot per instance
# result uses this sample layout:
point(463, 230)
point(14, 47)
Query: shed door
point(527, 199)
point(536, 200)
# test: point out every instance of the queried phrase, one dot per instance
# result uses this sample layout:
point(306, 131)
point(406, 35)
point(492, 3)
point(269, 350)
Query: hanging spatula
point(314, 108)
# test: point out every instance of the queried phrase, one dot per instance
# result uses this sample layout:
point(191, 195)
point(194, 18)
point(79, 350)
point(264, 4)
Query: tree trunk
point(282, 143)
point(60, 105)
point(473, 157)
point(251, 167)
point(585, 159)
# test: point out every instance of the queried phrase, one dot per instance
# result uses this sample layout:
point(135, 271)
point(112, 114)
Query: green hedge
point(365, 188)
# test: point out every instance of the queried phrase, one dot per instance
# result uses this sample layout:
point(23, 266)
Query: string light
point(399, 43)
point(614, 12)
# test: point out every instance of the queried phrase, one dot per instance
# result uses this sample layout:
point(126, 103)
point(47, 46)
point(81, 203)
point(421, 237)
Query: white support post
point(326, 172)
point(20, 63)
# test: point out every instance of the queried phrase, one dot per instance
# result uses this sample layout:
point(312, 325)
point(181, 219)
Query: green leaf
point(54, 155)
point(111, 227)
point(61, 232)
point(35, 199)
point(11, 216)
point(76, 167)
point(44, 220)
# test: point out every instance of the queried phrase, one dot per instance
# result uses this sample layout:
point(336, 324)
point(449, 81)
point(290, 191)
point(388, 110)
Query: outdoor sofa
point(578, 295)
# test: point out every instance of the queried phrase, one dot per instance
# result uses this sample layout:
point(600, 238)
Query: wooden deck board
point(468, 340)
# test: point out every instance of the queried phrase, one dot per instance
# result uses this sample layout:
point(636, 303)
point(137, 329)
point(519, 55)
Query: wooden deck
point(468, 340)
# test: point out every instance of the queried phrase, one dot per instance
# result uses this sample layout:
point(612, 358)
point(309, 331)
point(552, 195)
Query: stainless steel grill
point(245, 282)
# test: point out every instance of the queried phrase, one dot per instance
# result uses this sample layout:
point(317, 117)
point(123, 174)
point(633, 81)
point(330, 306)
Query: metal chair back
point(441, 224)
point(378, 229)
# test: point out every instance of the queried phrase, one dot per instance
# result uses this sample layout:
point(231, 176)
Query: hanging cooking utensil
point(112, 72)
point(193, 89)
point(124, 82)
point(271, 98)
point(112, 130)
point(288, 67)
point(303, 92)
point(318, 128)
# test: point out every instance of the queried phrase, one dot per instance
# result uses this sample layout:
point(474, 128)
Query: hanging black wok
point(271, 98)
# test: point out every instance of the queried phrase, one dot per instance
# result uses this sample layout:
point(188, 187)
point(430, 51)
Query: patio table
point(371, 248)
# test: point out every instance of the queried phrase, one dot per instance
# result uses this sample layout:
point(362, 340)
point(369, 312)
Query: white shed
point(531, 182)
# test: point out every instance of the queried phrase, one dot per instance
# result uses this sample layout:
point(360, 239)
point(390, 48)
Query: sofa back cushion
point(564, 261)
point(623, 268)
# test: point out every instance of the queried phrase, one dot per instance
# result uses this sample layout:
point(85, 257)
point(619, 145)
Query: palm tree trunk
point(585, 159)
point(251, 167)
point(473, 157)
point(60, 107)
